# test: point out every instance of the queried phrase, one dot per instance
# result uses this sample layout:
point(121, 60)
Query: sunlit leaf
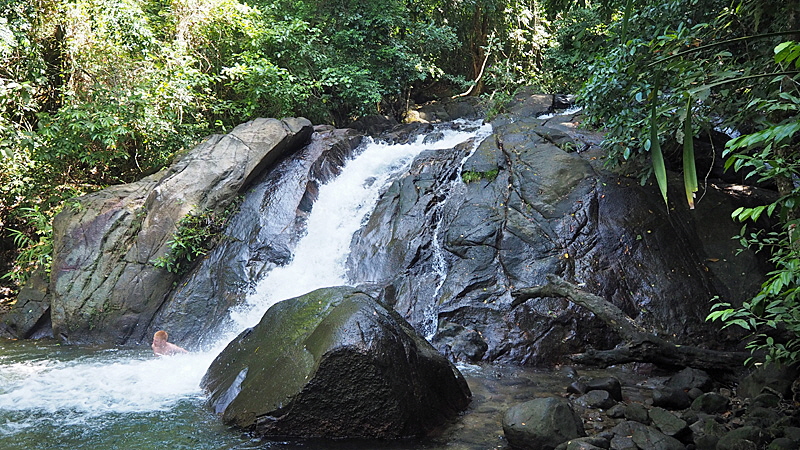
point(689, 169)
point(659, 169)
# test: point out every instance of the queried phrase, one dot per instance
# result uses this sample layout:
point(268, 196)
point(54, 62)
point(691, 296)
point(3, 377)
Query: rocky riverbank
point(686, 411)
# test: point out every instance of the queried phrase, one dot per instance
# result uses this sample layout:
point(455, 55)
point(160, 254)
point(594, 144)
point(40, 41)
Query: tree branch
point(640, 346)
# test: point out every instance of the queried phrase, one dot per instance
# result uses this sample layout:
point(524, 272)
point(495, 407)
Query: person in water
point(163, 348)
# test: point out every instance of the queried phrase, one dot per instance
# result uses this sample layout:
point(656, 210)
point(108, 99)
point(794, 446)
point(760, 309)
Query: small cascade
point(439, 263)
point(343, 206)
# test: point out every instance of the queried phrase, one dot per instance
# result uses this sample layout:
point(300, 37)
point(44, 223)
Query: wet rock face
point(261, 236)
point(448, 247)
point(334, 363)
point(104, 287)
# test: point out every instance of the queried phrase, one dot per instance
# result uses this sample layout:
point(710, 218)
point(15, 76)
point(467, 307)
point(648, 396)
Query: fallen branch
point(480, 74)
point(640, 346)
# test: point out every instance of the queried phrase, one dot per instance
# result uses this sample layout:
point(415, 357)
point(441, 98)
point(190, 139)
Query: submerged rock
point(334, 363)
point(541, 424)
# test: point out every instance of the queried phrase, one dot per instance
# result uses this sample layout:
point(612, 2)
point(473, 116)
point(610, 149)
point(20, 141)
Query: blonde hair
point(160, 335)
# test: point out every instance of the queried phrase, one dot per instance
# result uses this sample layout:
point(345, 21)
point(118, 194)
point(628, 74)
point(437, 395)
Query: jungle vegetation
point(100, 92)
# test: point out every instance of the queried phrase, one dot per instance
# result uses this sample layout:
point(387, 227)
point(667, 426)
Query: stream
point(54, 396)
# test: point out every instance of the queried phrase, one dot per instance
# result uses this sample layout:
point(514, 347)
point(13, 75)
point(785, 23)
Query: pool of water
point(75, 397)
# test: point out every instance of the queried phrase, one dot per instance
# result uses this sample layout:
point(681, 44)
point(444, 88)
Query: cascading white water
point(342, 207)
point(75, 390)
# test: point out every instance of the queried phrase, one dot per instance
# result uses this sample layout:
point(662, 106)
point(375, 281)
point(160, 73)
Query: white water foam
point(103, 383)
point(566, 112)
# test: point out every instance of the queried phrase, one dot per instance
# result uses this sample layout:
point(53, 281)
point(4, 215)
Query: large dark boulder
point(104, 287)
point(270, 222)
point(451, 252)
point(334, 363)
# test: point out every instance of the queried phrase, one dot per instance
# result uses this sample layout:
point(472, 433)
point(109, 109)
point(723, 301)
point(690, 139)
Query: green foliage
point(35, 253)
point(664, 42)
point(771, 154)
point(578, 36)
point(773, 315)
point(99, 92)
point(679, 69)
point(194, 237)
point(471, 175)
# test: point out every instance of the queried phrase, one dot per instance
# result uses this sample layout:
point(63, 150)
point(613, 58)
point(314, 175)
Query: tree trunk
point(639, 346)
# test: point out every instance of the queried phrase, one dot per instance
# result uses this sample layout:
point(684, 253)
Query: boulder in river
point(541, 424)
point(334, 363)
point(104, 285)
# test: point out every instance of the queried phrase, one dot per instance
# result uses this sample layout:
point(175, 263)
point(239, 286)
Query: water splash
point(101, 383)
point(566, 112)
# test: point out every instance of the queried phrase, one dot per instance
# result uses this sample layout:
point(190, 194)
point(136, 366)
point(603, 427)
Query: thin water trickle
point(429, 328)
point(77, 397)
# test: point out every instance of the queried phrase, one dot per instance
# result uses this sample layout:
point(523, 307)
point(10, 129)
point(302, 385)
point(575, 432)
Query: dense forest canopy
point(101, 92)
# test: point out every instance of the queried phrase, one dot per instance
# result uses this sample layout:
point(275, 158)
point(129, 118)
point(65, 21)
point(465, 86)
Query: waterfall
point(96, 387)
point(342, 207)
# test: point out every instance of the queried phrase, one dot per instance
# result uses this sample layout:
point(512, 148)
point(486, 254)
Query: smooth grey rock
point(690, 378)
point(693, 393)
point(617, 411)
point(768, 378)
point(706, 432)
point(596, 400)
point(711, 403)
point(646, 437)
point(766, 400)
point(743, 438)
point(533, 209)
point(783, 443)
point(792, 433)
point(459, 343)
point(334, 363)
point(637, 413)
point(667, 422)
point(761, 416)
point(577, 387)
point(585, 443)
point(29, 317)
point(705, 442)
point(104, 287)
point(608, 384)
point(619, 442)
point(541, 424)
point(671, 398)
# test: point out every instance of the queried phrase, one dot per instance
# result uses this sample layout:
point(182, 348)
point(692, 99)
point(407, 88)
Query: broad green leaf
point(689, 169)
point(781, 47)
point(659, 169)
point(757, 212)
point(740, 322)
